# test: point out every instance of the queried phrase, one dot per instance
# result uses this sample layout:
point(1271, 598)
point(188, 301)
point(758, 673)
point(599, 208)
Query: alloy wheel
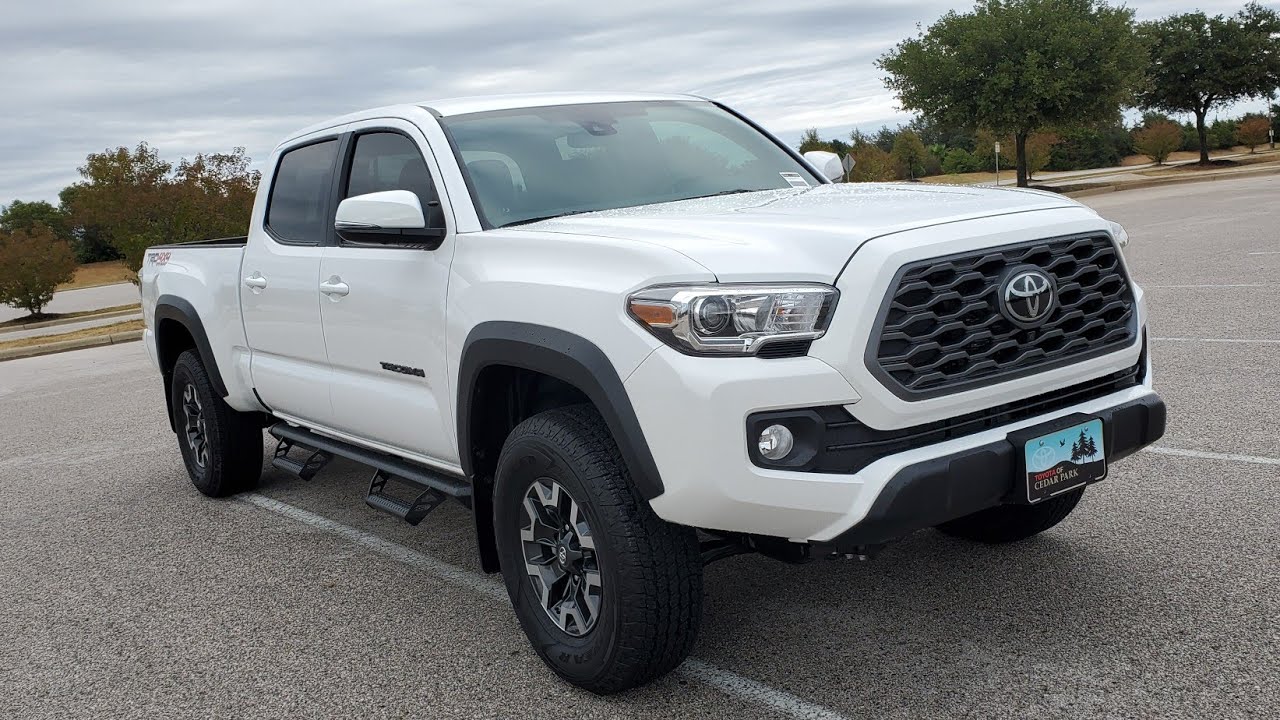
point(560, 557)
point(194, 427)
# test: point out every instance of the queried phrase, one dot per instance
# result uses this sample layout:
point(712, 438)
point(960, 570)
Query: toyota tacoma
point(633, 334)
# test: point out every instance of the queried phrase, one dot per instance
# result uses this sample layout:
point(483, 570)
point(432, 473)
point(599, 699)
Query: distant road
point(93, 298)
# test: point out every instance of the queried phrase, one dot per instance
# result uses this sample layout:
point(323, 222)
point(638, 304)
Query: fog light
point(776, 442)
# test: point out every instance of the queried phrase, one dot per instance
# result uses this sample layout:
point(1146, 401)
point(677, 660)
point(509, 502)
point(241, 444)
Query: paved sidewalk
point(69, 301)
point(68, 327)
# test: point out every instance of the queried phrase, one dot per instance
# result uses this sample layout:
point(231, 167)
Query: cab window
point(300, 192)
point(390, 161)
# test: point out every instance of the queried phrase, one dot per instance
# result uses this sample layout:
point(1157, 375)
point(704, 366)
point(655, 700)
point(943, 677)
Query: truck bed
point(238, 241)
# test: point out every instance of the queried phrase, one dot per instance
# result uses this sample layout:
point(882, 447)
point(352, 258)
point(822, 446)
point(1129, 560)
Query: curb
point(66, 345)
point(1160, 182)
point(68, 321)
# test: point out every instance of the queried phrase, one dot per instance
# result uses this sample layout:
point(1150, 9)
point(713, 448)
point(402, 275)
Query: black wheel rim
point(193, 427)
point(560, 557)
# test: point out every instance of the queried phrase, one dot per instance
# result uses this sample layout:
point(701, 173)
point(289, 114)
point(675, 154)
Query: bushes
point(1253, 131)
point(1222, 135)
point(1159, 140)
point(910, 155)
point(32, 265)
point(958, 161)
point(871, 164)
point(1083, 148)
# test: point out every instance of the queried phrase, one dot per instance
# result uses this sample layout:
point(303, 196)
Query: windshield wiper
point(540, 218)
point(735, 191)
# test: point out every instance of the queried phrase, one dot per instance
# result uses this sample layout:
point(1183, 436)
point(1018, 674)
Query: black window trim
point(341, 180)
point(275, 176)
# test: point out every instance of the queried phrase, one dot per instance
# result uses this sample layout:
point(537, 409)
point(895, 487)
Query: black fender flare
point(172, 307)
point(567, 357)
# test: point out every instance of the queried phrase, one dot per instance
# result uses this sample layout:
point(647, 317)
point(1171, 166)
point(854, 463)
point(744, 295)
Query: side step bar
point(431, 485)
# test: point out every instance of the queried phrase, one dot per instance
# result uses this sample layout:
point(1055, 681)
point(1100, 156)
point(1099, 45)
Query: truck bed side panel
point(207, 276)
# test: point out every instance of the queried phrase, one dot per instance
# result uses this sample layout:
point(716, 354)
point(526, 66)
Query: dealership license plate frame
point(1027, 441)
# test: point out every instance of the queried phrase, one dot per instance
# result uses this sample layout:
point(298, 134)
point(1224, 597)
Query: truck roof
point(447, 107)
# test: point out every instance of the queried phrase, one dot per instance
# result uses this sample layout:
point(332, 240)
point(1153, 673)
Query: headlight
point(733, 319)
point(1118, 232)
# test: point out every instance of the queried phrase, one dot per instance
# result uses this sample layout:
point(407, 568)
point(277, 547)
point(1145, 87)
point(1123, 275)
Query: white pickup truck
point(637, 333)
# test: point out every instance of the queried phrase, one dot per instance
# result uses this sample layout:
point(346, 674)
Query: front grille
point(941, 329)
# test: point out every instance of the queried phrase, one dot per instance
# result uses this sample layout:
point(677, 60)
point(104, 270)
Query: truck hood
point(799, 234)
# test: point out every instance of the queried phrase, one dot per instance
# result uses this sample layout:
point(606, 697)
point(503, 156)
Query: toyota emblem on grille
point(1028, 297)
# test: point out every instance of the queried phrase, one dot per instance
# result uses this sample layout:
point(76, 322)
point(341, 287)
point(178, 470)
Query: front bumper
point(698, 443)
point(931, 492)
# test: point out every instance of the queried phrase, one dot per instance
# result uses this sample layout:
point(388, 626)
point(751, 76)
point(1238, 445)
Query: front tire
point(1011, 523)
point(609, 594)
point(222, 448)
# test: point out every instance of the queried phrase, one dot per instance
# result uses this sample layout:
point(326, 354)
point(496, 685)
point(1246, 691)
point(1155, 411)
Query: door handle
point(256, 282)
point(335, 288)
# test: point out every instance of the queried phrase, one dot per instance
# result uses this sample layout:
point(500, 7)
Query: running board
point(432, 485)
point(305, 468)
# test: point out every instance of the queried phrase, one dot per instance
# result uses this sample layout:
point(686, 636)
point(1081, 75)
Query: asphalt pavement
point(124, 593)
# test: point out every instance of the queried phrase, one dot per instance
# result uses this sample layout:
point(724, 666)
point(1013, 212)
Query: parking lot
point(124, 593)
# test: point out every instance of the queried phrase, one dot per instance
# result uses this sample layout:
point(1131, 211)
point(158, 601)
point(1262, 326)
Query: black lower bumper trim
point(932, 492)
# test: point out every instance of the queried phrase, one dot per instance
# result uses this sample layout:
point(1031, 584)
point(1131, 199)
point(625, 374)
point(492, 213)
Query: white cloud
point(194, 76)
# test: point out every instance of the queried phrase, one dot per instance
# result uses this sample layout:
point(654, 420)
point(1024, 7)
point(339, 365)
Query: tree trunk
point(1204, 136)
point(1020, 142)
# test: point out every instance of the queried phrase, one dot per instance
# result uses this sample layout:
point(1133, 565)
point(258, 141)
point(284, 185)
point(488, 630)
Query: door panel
point(386, 347)
point(279, 286)
point(384, 330)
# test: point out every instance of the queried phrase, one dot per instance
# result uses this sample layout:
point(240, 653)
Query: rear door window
point(297, 207)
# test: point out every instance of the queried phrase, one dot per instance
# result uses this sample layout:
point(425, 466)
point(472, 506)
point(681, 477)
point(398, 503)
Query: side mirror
point(391, 217)
point(826, 163)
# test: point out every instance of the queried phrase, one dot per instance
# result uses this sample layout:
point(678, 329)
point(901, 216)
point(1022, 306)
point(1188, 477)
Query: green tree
point(1158, 140)
point(909, 154)
point(1198, 62)
point(20, 215)
point(33, 262)
point(810, 141)
point(1222, 134)
point(1017, 66)
point(885, 137)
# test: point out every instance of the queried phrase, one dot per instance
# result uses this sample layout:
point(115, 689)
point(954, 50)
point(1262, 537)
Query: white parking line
point(1236, 285)
point(1218, 340)
point(1266, 252)
point(693, 668)
point(1251, 459)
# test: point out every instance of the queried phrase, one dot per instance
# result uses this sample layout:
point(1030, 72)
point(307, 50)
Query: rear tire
point(561, 485)
point(1011, 523)
point(222, 448)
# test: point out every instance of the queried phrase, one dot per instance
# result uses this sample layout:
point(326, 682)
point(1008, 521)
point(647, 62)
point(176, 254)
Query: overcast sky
point(189, 76)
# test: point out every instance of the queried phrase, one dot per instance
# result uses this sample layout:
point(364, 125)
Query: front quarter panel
point(572, 283)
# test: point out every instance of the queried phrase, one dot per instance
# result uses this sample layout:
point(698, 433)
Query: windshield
point(536, 163)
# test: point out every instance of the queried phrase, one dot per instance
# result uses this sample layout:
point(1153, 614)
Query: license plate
point(1064, 460)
